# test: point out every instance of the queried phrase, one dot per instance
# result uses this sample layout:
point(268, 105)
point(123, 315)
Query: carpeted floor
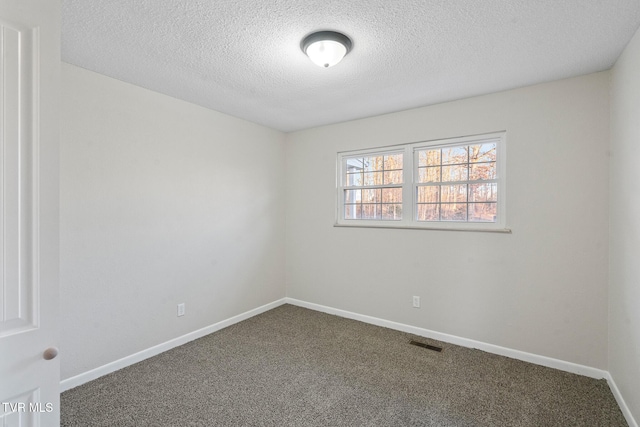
point(296, 367)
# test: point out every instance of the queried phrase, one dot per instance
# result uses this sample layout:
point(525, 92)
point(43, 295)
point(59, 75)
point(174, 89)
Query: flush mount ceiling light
point(326, 48)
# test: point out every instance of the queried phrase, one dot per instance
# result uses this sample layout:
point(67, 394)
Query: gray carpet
point(296, 367)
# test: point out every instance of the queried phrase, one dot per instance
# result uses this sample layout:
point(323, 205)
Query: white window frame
point(409, 186)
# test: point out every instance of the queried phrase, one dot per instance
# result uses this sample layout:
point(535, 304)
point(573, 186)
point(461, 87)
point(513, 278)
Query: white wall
point(161, 202)
point(624, 299)
point(541, 289)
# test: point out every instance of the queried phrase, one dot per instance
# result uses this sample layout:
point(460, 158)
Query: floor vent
point(427, 346)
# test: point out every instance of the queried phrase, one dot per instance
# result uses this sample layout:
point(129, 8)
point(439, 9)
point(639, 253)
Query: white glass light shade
point(326, 48)
point(326, 53)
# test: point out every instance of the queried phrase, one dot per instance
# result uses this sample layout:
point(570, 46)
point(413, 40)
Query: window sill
point(409, 227)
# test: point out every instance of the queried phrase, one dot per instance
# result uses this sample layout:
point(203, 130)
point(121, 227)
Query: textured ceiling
point(243, 57)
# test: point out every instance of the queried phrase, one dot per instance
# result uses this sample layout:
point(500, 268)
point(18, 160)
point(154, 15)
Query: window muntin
point(456, 183)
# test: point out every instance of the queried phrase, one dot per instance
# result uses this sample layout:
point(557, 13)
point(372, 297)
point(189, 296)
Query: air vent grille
point(427, 346)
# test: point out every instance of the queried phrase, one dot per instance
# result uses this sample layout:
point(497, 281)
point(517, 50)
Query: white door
point(29, 82)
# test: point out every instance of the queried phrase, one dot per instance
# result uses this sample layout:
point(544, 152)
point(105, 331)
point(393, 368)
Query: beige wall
point(161, 202)
point(624, 302)
point(541, 289)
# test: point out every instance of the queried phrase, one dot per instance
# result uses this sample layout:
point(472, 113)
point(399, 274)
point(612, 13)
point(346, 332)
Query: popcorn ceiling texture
point(243, 57)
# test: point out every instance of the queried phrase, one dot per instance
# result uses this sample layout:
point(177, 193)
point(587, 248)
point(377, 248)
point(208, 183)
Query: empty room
point(281, 213)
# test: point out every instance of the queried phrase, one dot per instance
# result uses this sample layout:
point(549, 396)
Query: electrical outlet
point(416, 302)
point(181, 309)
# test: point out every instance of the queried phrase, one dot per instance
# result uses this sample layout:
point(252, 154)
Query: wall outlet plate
point(181, 309)
point(416, 302)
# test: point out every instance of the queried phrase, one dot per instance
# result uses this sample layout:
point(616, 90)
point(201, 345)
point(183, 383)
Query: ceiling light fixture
point(326, 48)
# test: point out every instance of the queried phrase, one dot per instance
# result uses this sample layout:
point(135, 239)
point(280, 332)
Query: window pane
point(353, 179)
point(453, 211)
point(483, 212)
point(354, 164)
point(483, 192)
point(352, 196)
point(454, 193)
point(480, 171)
point(429, 157)
point(393, 177)
point(373, 178)
point(352, 211)
point(429, 194)
point(430, 174)
point(454, 155)
point(371, 211)
point(482, 152)
point(392, 195)
point(371, 195)
point(455, 173)
point(393, 161)
point(392, 211)
point(373, 163)
point(428, 212)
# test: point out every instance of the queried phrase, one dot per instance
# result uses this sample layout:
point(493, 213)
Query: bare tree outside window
point(455, 183)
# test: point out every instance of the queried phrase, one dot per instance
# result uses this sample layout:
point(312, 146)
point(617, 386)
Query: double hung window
point(456, 183)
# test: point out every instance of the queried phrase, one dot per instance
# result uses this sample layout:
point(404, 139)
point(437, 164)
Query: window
point(456, 183)
point(373, 187)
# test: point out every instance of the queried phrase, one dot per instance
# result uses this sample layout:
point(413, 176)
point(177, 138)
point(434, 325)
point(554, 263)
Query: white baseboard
point(85, 377)
point(621, 403)
point(464, 342)
point(574, 368)
point(562, 365)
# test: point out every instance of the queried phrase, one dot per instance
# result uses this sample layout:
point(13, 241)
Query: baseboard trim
point(464, 342)
point(93, 374)
point(574, 368)
point(621, 402)
point(549, 362)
